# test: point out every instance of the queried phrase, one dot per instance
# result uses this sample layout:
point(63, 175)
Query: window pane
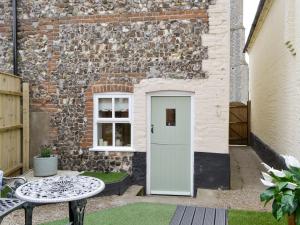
point(123, 134)
point(105, 134)
point(170, 117)
point(121, 108)
point(105, 108)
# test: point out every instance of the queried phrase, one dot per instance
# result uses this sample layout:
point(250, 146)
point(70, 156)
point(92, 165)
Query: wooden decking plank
point(209, 218)
point(199, 216)
point(188, 216)
point(221, 217)
point(176, 220)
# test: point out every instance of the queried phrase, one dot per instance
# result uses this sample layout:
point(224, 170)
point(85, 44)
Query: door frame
point(148, 154)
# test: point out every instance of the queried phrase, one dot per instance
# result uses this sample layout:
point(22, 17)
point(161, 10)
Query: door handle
point(152, 128)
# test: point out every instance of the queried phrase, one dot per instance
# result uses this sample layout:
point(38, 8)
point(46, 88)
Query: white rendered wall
point(211, 95)
point(275, 82)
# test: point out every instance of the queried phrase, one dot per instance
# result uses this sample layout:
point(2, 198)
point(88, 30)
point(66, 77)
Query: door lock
point(152, 128)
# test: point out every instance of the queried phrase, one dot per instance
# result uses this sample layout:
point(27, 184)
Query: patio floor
point(246, 187)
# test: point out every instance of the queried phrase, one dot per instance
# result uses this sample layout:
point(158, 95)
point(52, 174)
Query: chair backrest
point(10, 185)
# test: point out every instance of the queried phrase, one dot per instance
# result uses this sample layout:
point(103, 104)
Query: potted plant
point(283, 188)
point(45, 164)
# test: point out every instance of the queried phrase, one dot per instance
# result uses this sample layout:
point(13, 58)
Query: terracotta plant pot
point(292, 220)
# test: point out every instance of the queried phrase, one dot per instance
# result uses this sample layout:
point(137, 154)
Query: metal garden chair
point(10, 203)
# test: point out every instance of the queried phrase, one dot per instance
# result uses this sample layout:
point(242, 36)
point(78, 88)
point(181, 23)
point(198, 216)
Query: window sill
point(111, 149)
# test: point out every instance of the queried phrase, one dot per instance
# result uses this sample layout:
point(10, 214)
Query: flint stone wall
point(69, 50)
point(62, 8)
point(6, 49)
point(169, 49)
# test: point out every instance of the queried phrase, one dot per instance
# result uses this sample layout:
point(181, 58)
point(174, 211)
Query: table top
point(59, 189)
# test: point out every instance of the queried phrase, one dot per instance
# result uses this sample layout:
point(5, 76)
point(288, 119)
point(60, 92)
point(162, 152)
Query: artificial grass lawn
point(107, 178)
point(160, 214)
point(237, 217)
point(133, 214)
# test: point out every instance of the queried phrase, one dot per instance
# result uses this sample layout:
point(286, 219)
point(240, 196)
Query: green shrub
point(283, 188)
point(4, 192)
point(46, 152)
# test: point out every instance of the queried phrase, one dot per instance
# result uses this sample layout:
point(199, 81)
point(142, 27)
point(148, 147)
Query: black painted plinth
point(139, 167)
point(211, 171)
point(266, 153)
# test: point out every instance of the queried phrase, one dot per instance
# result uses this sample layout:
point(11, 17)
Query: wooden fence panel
point(25, 126)
point(239, 124)
point(11, 124)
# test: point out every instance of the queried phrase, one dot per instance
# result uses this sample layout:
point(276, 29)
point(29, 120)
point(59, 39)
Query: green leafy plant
point(283, 188)
point(46, 152)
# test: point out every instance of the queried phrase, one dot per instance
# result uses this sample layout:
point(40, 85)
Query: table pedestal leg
point(71, 216)
point(28, 213)
point(76, 211)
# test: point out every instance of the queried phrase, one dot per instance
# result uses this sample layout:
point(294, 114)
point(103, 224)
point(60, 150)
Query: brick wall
point(70, 50)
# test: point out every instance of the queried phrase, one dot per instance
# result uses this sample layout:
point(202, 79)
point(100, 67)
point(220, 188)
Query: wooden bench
point(189, 215)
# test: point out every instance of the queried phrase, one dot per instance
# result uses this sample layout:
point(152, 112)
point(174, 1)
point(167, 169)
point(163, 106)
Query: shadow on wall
point(39, 133)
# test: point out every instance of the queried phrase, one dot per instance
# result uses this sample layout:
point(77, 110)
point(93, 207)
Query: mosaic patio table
point(72, 189)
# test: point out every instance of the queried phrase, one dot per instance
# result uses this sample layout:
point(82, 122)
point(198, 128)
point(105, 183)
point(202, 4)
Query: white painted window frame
point(113, 120)
point(192, 138)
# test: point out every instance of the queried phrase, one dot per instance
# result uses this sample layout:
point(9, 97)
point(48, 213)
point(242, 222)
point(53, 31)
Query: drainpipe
point(15, 44)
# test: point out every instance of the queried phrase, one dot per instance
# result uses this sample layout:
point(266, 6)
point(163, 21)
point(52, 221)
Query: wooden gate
point(14, 124)
point(239, 123)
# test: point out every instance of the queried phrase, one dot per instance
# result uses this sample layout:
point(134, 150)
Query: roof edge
point(260, 8)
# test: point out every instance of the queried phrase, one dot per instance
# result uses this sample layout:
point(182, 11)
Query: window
point(170, 117)
point(112, 122)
